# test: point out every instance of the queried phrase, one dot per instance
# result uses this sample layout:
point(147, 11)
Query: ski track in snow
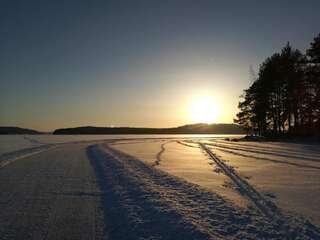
point(224, 149)
point(265, 206)
point(162, 149)
point(158, 156)
point(7, 158)
point(10, 157)
point(292, 154)
point(186, 144)
point(276, 147)
point(146, 203)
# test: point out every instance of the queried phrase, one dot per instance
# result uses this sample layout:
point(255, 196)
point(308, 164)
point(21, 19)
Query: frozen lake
point(258, 189)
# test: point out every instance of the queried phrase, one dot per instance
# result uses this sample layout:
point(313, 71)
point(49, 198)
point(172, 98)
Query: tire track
point(266, 207)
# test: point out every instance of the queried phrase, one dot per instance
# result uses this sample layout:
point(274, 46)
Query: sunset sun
point(204, 110)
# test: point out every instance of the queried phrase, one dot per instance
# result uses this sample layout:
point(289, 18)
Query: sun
point(204, 110)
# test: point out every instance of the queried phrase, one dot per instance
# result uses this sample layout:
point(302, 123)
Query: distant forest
point(186, 129)
point(17, 130)
point(284, 98)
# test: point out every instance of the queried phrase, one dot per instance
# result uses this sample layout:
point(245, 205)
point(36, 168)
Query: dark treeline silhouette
point(200, 128)
point(284, 98)
point(17, 130)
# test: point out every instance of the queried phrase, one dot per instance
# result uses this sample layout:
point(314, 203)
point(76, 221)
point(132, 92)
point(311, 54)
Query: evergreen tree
point(285, 97)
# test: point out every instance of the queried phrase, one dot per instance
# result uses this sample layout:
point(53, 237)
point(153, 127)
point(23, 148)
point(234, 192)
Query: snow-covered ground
point(11, 143)
point(287, 174)
point(184, 161)
point(157, 187)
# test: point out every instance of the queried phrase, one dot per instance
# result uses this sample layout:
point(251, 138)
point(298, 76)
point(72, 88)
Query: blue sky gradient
point(136, 63)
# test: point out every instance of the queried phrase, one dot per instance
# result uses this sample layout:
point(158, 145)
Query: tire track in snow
point(266, 207)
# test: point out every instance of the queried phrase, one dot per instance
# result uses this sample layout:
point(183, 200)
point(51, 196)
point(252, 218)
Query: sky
point(137, 63)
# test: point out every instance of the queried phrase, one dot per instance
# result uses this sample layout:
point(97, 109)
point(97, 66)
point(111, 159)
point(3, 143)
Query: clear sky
point(137, 63)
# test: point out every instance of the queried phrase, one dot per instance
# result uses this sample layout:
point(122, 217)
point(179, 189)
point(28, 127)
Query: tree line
point(284, 98)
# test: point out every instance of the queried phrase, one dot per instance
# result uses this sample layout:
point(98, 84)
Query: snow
point(157, 187)
point(145, 150)
point(138, 196)
point(189, 163)
point(11, 143)
point(79, 138)
point(289, 173)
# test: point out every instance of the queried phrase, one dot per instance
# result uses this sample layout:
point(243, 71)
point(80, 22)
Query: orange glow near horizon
point(204, 109)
